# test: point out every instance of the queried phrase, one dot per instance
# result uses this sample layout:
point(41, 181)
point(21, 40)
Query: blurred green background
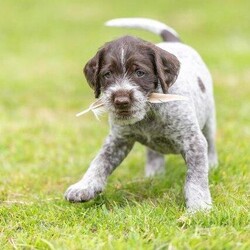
point(44, 148)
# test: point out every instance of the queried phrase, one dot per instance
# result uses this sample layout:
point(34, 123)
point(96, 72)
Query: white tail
point(141, 23)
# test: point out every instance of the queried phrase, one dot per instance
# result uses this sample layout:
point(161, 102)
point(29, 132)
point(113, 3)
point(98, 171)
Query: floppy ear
point(167, 68)
point(91, 72)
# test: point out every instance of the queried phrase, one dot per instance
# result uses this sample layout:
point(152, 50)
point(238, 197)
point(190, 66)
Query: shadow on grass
point(165, 188)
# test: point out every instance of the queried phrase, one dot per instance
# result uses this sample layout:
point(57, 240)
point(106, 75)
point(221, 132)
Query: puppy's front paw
point(81, 191)
point(198, 198)
point(201, 206)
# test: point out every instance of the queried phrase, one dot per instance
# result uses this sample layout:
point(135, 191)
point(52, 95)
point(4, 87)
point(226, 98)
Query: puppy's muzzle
point(122, 102)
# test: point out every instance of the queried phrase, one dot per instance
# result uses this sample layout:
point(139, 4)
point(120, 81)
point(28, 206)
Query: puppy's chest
point(159, 137)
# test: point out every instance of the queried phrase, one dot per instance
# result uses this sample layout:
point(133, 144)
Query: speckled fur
point(180, 127)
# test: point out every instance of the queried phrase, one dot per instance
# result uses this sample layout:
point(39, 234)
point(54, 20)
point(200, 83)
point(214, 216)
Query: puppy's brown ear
point(167, 67)
point(91, 72)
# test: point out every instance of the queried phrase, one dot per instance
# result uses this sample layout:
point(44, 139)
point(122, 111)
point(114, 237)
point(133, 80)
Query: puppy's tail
point(167, 33)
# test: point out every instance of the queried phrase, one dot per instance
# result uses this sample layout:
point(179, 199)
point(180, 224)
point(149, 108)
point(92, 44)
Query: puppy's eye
point(139, 73)
point(107, 75)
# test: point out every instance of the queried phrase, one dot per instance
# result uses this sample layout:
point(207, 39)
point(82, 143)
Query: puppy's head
point(125, 72)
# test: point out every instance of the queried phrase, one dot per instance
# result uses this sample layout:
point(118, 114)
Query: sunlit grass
point(44, 147)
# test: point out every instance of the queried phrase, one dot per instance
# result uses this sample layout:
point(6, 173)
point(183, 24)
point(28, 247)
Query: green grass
point(44, 148)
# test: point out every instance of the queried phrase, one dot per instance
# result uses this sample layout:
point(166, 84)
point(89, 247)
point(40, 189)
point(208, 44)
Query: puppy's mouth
point(125, 113)
point(128, 116)
point(125, 106)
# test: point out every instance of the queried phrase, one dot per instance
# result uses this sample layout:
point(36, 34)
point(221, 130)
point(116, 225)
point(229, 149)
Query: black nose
point(122, 102)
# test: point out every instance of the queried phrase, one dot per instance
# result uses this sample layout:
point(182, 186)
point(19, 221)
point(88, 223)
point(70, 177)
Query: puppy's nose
point(122, 102)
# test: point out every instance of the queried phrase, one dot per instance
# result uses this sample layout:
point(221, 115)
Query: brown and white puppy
point(126, 71)
point(123, 73)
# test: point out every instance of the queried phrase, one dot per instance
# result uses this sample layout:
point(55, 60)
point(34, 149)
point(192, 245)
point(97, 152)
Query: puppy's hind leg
point(209, 132)
point(155, 163)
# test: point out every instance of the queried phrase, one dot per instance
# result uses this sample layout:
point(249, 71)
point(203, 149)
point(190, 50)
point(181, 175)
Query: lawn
point(44, 148)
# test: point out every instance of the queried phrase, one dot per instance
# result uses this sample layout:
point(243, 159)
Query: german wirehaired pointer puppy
point(124, 72)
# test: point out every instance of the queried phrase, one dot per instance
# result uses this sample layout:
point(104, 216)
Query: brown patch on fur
point(201, 85)
point(169, 37)
point(158, 65)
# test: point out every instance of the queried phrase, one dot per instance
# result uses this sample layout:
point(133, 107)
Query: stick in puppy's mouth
point(152, 98)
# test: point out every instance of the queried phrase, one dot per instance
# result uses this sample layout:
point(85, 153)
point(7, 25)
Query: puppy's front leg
point(197, 188)
point(93, 182)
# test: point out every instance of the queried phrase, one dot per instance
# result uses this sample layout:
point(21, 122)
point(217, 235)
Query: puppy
point(124, 72)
